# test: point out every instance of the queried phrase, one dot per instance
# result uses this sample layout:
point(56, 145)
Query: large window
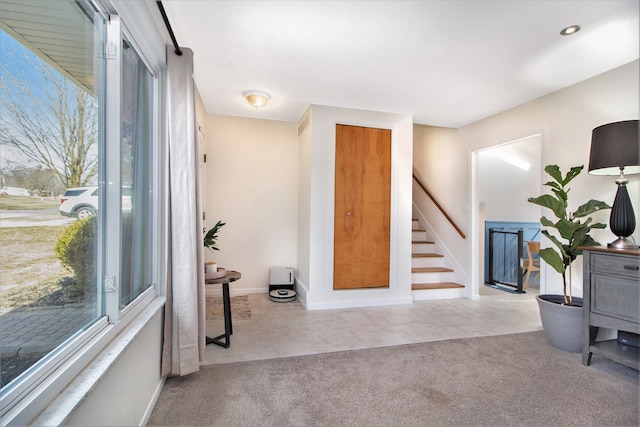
point(77, 223)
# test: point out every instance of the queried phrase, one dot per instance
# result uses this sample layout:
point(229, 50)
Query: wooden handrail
point(446, 215)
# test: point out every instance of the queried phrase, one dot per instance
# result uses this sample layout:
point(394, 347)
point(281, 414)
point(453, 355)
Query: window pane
point(137, 219)
point(50, 85)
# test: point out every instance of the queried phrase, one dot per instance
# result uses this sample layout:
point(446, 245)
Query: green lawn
point(12, 203)
point(28, 263)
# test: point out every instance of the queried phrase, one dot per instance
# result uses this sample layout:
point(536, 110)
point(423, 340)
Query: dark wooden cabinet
point(611, 300)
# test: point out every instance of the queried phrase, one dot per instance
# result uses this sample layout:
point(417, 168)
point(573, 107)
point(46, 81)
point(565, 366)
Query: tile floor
point(288, 329)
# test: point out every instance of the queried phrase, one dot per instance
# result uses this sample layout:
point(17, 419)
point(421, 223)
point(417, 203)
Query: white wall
point(507, 176)
point(565, 119)
point(126, 393)
point(304, 208)
point(319, 149)
point(251, 185)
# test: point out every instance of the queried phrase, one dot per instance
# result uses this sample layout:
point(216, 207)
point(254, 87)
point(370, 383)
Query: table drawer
point(617, 297)
point(628, 266)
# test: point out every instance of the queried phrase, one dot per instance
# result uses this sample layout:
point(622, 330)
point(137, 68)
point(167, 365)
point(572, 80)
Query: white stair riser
point(447, 276)
point(422, 247)
point(427, 262)
point(418, 235)
point(433, 294)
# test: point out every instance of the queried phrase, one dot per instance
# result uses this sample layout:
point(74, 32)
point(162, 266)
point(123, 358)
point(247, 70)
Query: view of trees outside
point(47, 119)
point(48, 143)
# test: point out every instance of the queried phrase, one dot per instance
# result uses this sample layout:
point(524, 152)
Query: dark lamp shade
point(613, 146)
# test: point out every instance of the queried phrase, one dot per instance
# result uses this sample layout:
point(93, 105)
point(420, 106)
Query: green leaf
point(562, 196)
point(552, 258)
point(588, 241)
point(211, 236)
point(575, 171)
point(590, 207)
point(547, 201)
point(566, 228)
point(553, 185)
point(547, 222)
point(579, 238)
point(556, 242)
point(554, 172)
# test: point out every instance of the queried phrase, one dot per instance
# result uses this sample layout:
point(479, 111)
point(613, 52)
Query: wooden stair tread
point(431, 270)
point(427, 255)
point(439, 285)
point(422, 241)
point(418, 229)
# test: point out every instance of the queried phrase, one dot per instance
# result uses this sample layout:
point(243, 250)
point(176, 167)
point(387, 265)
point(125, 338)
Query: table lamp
point(614, 151)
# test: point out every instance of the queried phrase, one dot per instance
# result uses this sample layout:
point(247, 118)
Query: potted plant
point(561, 315)
point(210, 239)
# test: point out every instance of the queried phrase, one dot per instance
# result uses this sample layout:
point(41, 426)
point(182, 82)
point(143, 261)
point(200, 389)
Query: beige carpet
point(506, 380)
point(240, 308)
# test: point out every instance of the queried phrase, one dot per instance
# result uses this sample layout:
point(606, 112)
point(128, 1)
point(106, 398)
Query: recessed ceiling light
point(572, 29)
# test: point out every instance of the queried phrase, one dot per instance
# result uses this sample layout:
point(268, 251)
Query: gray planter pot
point(562, 323)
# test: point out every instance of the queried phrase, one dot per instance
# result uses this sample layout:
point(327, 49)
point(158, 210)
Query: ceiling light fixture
point(572, 29)
point(257, 98)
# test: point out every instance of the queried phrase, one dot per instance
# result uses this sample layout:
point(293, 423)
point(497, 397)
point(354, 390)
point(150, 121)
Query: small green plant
point(572, 232)
point(211, 236)
point(75, 249)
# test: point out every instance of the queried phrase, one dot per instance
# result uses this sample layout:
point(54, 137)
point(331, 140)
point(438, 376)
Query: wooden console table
point(231, 276)
point(611, 299)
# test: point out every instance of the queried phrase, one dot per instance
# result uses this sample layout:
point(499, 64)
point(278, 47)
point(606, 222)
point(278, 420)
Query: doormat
point(240, 308)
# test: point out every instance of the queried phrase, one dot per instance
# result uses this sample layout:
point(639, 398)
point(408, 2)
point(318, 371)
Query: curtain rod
point(168, 25)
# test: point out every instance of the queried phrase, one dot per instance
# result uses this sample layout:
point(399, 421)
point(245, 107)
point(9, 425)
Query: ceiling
point(446, 63)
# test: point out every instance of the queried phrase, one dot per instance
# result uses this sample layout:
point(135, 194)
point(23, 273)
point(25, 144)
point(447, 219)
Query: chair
point(531, 263)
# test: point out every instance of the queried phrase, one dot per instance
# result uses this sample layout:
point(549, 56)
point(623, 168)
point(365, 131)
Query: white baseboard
point(152, 403)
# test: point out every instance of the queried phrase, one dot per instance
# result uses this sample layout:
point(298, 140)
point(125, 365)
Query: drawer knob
point(631, 267)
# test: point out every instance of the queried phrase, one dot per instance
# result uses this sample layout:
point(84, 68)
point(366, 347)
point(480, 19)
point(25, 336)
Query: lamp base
point(622, 220)
point(623, 243)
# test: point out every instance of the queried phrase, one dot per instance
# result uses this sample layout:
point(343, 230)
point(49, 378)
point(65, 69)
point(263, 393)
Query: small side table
point(231, 276)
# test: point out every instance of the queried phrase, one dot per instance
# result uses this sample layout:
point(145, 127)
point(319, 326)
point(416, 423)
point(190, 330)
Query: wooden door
point(362, 207)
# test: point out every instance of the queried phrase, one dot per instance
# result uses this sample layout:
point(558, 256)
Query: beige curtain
point(184, 325)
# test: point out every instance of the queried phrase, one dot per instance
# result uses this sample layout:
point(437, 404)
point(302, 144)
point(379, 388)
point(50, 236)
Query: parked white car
point(79, 202)
point(82, 202)
point(13, 191)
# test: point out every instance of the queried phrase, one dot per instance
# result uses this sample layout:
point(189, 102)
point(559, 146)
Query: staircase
point(431, 278)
